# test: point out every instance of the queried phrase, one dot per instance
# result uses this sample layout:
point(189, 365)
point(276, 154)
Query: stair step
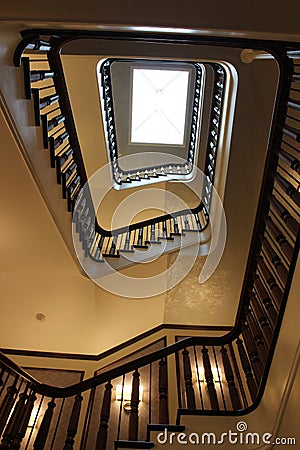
point(124, 260)
point(114, 255)
point(142, 247)
point(133, 444)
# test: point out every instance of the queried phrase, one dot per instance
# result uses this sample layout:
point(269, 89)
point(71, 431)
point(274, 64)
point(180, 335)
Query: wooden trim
point(132, 355)
point(105, 354)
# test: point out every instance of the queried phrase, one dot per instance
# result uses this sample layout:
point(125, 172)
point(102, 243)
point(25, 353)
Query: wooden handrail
point(53, 50)
point(255, 260)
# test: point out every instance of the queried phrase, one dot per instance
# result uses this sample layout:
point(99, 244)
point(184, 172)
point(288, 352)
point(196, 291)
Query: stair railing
point(44, 82)
point(218, 376)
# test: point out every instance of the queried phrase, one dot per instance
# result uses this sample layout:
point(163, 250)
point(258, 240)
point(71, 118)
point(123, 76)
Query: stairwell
point(234, 367)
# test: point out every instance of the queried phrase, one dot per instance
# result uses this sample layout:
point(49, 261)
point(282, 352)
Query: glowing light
point(159, 103)
point(217, 375)
point(127, 390)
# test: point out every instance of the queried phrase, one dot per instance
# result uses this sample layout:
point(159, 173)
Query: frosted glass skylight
point(159, 104)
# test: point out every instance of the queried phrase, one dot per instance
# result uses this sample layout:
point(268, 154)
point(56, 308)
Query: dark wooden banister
point(57, 392)
point(240, 324)
point(56, 44)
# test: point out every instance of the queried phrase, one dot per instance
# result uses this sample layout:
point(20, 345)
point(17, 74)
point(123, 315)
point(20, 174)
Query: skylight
point(159, 105)
point(151, 111)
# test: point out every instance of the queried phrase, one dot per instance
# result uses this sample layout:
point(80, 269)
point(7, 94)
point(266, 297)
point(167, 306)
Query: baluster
point(251, 383)
point(210, 380)
point(72, 189)
point(288, 188)
point(164, 229)
point(24, 422)
point(127, 241)
point(233, 392)
point(14, 422)
point(253, 353)
point(104, 418)
point(197, 221)
point(163, 392)
point(257, 337)
point(100, 244)
point(78, 211)
point(48, 101)
point(82, 221)
point(275, 260)
point(176, 229)
point(48, 125)
point(55, 142)
point(113, 249)
point(55, 121)
point(42, 434)
point(73, 424)
point(265, 299)
point(285, 215)
point(187, 373)
point(134, 412)
point(40, 75)
point(85, 231)
point(262, 318)
point(270, 280)
point(42, 103)
point(291, 132)
point(7, 405)
point(140, 237)
point(152, 234)
point(63, 157)
point(289, 159)
point(186, 222)
point(296, 77)
point(65, 175)
point(91, 240)
point(293, 53)
point(280, 238)
point(40, 45)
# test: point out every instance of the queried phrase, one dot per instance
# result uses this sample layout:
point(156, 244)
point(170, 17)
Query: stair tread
point(140, 246)
point(107, 255)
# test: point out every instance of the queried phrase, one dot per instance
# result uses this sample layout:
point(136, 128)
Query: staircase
point(214, 375)
point(107, 250)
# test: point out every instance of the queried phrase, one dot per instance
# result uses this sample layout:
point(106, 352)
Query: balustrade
point(219, 381)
